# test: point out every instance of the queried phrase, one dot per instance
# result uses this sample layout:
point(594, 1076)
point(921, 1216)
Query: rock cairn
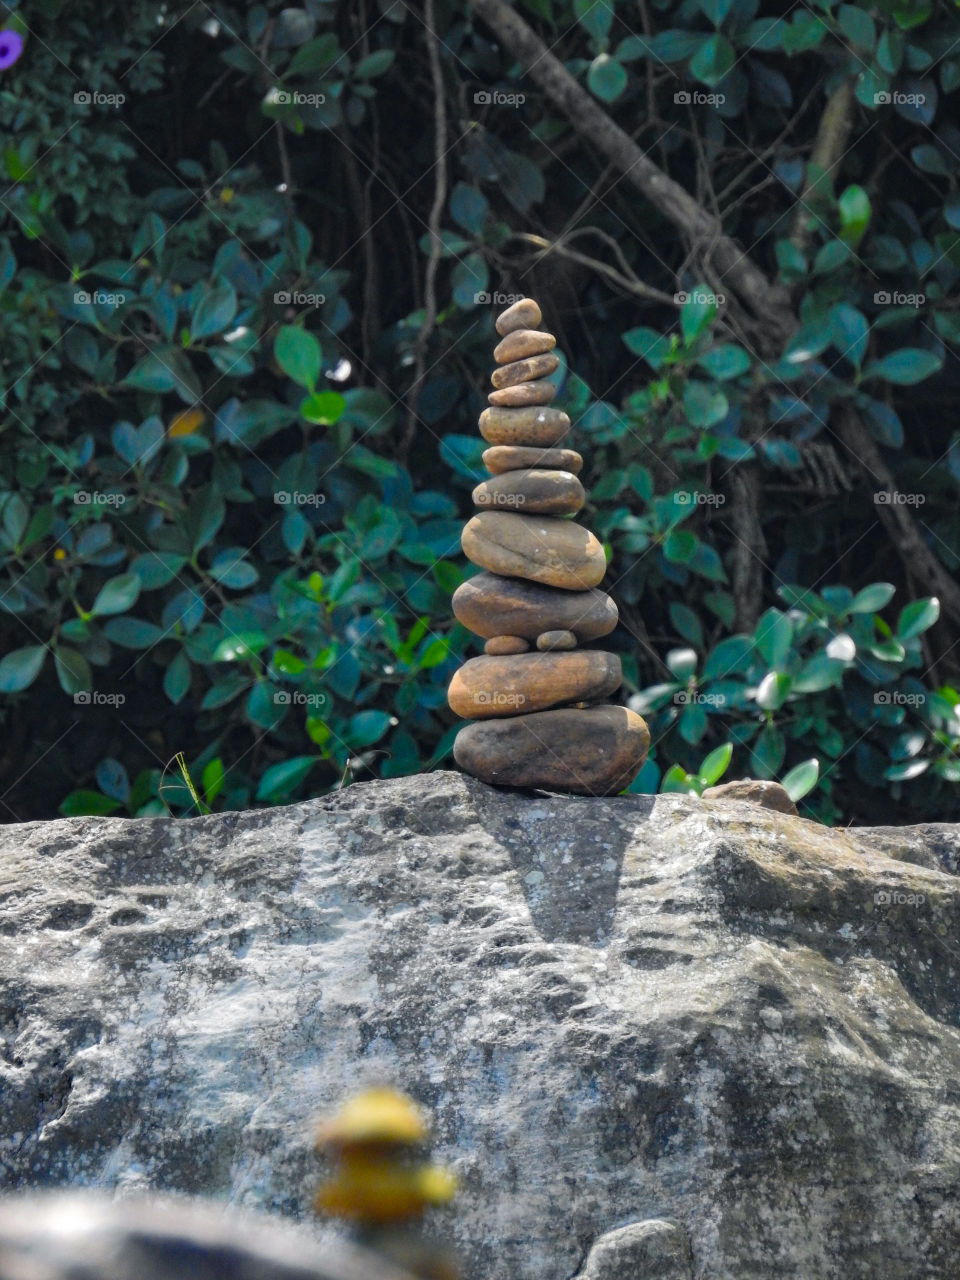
point(536, 696)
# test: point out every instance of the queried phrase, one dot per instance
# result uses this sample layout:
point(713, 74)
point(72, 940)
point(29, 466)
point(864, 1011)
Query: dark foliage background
point(250, 259)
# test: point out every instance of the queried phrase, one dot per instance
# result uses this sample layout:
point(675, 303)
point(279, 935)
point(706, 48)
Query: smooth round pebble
point(523, 343)
point(527, 682)
point(551, 640)
point(555, 493)
point(524, 314)
point(597, 751)
point(490, 605)
point(505, 457)
point(501, 646)
point(544, 549)
point(524, 393)
point(511, 375)
point(531, 426)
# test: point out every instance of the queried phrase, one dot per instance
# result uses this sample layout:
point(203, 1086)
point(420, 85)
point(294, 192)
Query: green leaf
point(715, 765)
point(374, 64)
point(366, 728)
point(768, 751)
point(150, 374)
point(703, 405)
point(212, 779)
point(774, 638)
point(298, 354)
point(851, 331)
point(73, 671)
point(176, 678)
point(698, 310)
point(19, 668)
point(214, 311)
point(831, 257)
point(647, 343)
point(117, 595)
point(607, 78)
point(686, 623)
point(725, 361)
point(873, 598)
point(857, 26)
point(281, 779)
point(323, 407)
point(801, 779)
point(86, 803)
point(712, 60)
point(595, 16)
point(917, 617)
point(905, 367)
point(315, 55)
point(854, 207)
point(132, 633)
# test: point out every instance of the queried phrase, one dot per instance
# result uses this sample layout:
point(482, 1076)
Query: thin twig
point(436, 244)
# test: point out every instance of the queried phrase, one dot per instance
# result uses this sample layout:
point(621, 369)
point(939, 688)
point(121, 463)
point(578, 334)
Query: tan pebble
point(524, 314)
point(549, 640)
point(503, 457)
point(544, 549)
point(532, 425)
point(502, 646)
point(596, 751)
point(524, 393)
point(510, 375)
point(515, 686)
point(523, 343)
point(491, 605)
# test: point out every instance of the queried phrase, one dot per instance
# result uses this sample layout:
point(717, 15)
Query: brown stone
point(528, 682)
point(594, 752)
point(531, 426)
point(524, 393)
point(500, 646)
point(549, 641)
point(489, 605)
point(544, 549)
point(523, 343)
point(555, 493)
point(771, 795)
point(524, 314)
point(505, 457)
point(512, 375)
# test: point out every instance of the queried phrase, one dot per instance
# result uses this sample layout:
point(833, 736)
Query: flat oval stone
point(505, 457)
point(511, 375)
point(555, 493)
point(523, 343)
point(551, 640)
point(489, 605)
point(500, 646)
point(544, 549)
point(524, 393)
point(524, 314)
point(517, 685)
point(535, 425)
point(594, 752)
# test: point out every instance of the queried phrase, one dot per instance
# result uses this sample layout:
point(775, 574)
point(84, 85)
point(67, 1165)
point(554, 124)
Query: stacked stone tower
point(536, 697)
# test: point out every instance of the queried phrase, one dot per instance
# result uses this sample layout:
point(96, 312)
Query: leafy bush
point(240, 383)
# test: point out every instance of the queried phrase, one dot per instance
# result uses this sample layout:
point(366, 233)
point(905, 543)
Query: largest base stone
point(593, 751)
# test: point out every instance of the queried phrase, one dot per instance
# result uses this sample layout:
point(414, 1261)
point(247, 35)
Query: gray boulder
point(728, 1030)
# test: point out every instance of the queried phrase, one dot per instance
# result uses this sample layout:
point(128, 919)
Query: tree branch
point(901, 528)
point(436, 213)
point(745, 280)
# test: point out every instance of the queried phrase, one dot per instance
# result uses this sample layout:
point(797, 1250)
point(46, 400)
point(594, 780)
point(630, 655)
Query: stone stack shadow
point(536, 697)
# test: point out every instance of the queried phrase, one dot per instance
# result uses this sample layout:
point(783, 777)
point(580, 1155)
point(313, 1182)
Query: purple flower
point(11, 47)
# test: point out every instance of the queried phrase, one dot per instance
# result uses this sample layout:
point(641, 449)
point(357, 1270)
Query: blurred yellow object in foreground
point(367, 1188)
point(379, 1115)
point(378, 1177)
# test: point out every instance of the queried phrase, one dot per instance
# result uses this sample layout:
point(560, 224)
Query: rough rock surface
point(618, 1012)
